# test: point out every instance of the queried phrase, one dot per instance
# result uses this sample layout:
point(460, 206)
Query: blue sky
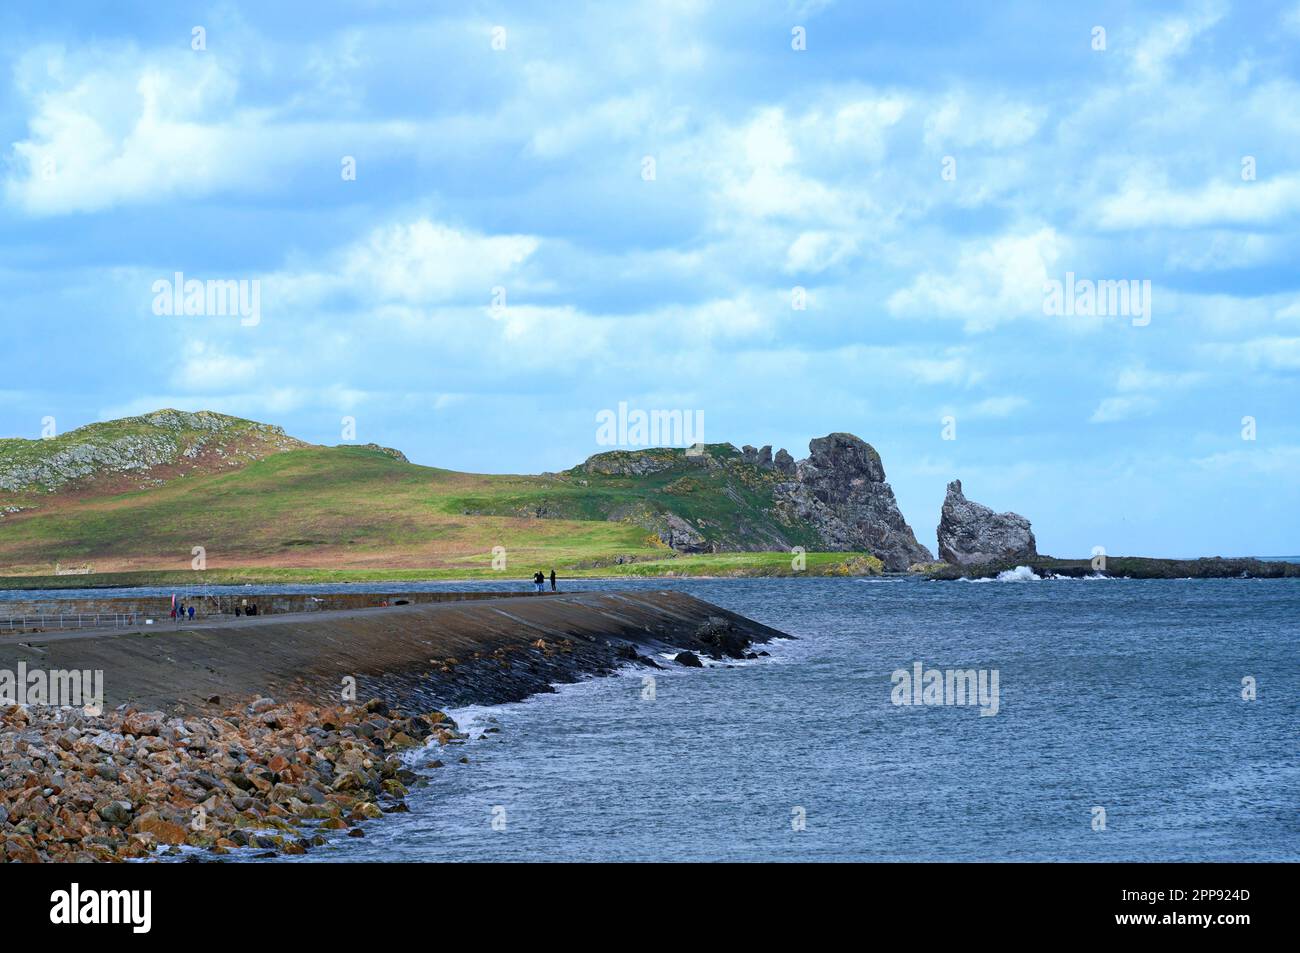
point(128, 155)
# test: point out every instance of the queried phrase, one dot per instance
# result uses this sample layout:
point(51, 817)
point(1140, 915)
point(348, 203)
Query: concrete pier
point(481, 650)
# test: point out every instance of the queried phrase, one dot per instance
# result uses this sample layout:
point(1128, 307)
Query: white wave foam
point(1025, 574)
point(1019, 574)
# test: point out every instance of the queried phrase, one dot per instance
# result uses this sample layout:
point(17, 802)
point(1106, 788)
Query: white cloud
point(206, 367)
point(335, 67)
point(1268, 353)
point(1224, 250)
point(1139, 377)
point(1122, 408)
point(990, 283)
point(1170, 38)
point(996, 407)
point(805, 168)
point(765, 181)
point(860, 124)
point(125, 129)
point(1217, 203)
point(420, 262)
point(535, 337)
point(618, 119)
point(952, 366)
point(964, 120)
point(1138, 386)
point(1260, 459)
point(1290, 312)
point(118, 126)
point(815, 251)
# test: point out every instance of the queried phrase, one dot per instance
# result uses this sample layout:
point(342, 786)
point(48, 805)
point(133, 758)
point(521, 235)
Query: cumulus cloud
point(804, 168)
point(418, 262)
point(990, 282)
point(1141, 205)
point(107, 128)
point(110, 126)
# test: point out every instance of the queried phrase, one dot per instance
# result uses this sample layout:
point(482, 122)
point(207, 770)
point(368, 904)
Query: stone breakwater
point(277, 778)
point(234, 735)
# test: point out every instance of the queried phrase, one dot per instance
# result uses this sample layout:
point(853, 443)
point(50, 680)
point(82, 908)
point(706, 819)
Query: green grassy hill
point(134, 451)
point(263, 505)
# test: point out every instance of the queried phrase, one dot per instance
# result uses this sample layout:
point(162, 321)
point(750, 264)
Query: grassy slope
point(729, 504)
point(346, 512)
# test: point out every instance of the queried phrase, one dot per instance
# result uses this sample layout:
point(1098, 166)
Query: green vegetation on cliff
point(140, 495)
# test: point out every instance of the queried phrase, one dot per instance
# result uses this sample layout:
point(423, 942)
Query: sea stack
point(841, 491)
point(970, 533)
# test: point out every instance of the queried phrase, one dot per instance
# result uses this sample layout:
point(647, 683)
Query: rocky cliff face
point(721, 499)
point(841, 491)
point(971, 534)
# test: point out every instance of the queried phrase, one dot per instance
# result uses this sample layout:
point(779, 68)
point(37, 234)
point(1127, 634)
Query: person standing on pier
point(552, 580)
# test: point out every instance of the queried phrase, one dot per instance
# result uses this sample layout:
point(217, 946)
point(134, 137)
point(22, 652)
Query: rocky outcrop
point(840, 490)
point(971, 534)
point(747, 499)
point(386, 451)
point(679, 535)
point(632, 463)
point(144, 450)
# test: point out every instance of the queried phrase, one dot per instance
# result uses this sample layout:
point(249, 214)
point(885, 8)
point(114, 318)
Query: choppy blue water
point(1122, 694)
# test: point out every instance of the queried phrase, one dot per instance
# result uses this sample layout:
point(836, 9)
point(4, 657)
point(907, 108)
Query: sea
point(1107, 720)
